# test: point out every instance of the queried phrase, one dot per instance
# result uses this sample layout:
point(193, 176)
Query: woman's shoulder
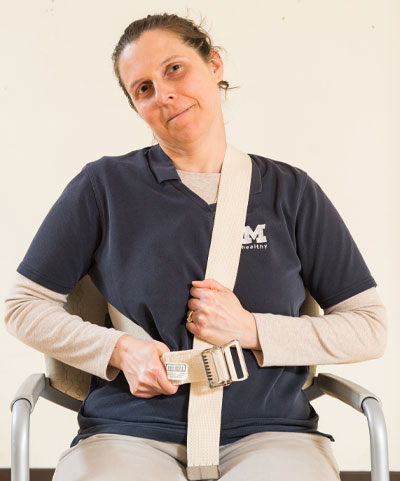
point(129, 159)
point(279, 173)
point(279, 167)
point(111, 171)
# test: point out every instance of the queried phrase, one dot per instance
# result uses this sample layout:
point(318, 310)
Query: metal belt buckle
point(219, 365)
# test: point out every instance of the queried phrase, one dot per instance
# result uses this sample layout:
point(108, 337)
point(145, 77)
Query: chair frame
point(38, 385)
point(86, 301)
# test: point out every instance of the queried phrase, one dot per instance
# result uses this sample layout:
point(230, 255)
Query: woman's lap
point(126, 458)
point(279, 456)
point(269, 456)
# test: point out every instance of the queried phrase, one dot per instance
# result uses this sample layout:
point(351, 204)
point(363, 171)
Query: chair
point(67, 387)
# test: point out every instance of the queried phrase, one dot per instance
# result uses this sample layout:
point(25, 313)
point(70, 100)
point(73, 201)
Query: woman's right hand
point(139, 359)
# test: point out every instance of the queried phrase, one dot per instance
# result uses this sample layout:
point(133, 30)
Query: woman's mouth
point(181, 113)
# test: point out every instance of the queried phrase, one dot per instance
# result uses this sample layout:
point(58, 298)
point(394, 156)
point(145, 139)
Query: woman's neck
point(203, 155)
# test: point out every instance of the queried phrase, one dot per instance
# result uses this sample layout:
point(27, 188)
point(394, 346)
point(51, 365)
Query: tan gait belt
point(207, 367)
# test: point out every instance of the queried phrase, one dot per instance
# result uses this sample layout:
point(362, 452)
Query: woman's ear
point(216, 64)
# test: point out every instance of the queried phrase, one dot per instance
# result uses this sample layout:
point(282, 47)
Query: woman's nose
point(163, 93)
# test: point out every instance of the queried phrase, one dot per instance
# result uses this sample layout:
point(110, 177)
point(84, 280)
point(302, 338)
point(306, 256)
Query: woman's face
point(171, 86)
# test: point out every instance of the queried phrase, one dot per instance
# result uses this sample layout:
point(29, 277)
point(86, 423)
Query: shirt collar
point(164, 169)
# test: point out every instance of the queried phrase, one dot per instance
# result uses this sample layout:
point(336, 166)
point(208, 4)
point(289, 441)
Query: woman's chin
point(185, 136)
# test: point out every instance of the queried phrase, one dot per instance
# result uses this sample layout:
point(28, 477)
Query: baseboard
point(364, 476)
point(39, 474)
point(47, 474)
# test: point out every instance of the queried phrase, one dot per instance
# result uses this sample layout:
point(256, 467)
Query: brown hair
point(190, 33)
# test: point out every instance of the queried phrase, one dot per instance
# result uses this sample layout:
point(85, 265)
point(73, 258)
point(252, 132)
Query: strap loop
point(214, 365)
point(205, 472)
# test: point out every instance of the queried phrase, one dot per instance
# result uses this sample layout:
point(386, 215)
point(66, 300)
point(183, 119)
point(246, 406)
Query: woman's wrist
point(120, 348)
point(252, 341)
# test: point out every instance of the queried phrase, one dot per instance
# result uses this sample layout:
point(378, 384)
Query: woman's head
point(166, 64)
point(191, 34)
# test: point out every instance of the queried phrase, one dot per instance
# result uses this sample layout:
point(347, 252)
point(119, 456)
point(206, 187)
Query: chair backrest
point(310, 307)
point(86, 301)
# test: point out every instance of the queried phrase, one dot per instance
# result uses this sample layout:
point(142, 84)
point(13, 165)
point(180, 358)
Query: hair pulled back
point(190, 33)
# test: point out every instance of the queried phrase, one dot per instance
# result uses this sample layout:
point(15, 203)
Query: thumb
point(161, 348)
point(210, 284)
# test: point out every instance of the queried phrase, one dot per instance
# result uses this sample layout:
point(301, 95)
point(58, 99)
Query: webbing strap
point(204, 414)
point(191, 359)
point(123, 323)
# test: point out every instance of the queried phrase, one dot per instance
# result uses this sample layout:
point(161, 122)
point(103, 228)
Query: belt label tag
point(177, 371)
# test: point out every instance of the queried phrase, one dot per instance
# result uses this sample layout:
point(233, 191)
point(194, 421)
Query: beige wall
point(319, 89)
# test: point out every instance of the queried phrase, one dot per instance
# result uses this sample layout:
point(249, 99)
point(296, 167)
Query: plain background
point(319, 89)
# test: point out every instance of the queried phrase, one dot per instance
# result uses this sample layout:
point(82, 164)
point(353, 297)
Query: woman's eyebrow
point(161, 64)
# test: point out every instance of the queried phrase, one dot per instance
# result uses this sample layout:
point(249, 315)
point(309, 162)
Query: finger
point(199, 292)
point(166, 386)
point(193, 304)
point(193, 328)
point(210, 284)
point(146, 394)
point(190, 326)
point(161, 348)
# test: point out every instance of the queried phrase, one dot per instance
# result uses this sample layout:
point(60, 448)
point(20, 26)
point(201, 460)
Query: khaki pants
point(267, 456)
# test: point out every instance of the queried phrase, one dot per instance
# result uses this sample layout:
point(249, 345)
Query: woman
point(140, 224)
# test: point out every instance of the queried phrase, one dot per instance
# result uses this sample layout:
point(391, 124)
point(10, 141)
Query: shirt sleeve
point(63, 248)
point(36, 316)
point(353, 330)
point(332, 266)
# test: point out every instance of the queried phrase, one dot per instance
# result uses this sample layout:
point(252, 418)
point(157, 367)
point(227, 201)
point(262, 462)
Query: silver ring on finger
point(189, 316)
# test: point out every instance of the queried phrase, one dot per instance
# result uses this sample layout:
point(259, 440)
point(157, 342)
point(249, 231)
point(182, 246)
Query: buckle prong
point(219, 365)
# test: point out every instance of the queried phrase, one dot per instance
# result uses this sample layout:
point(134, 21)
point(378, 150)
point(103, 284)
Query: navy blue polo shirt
point(143, 236)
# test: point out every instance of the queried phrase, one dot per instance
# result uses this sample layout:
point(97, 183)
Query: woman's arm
point(36, 316)
point(353, 330)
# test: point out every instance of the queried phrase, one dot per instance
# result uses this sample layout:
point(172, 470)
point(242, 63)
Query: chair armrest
point(22, 406)
point(30, 390)
point(346, 391)
point(369, 404)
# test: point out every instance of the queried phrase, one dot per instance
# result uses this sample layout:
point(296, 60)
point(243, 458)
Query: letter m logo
point(257, 234)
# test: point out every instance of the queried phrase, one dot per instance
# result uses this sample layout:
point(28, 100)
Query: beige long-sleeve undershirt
point(353, 330)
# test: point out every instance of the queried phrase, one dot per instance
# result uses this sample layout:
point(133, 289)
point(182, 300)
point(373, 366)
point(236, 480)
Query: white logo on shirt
point(257, 235)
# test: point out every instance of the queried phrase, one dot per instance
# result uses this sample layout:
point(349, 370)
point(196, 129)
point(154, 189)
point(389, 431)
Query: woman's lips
point(178, 115)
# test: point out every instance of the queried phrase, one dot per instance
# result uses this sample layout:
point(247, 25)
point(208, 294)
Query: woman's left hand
point(218, 317)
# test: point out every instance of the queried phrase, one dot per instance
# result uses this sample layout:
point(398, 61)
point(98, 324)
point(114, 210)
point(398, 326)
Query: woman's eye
point(140, 91)
point(144, 86)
